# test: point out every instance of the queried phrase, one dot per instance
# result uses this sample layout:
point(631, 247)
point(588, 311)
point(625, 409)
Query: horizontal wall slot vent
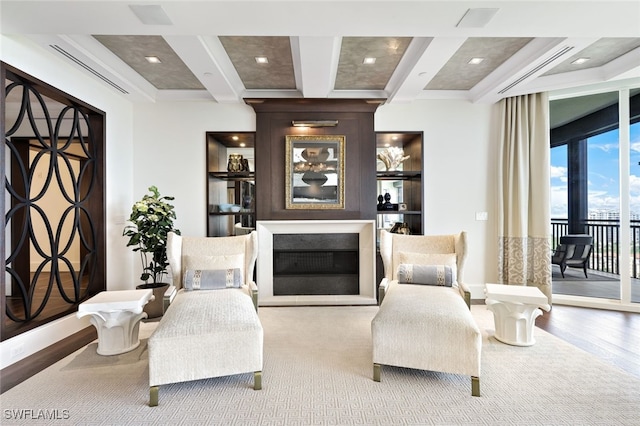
point(87, 67)
point(549, 60)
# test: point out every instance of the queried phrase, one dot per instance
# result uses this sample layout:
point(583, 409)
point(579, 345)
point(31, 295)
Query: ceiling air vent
point(87, 67)
point(534, 70)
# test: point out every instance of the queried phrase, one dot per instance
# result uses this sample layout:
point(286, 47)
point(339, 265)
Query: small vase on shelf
point(246, 202)
point(235, 163)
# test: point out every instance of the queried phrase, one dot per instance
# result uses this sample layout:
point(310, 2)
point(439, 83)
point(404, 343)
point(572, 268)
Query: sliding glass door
point(595, 187)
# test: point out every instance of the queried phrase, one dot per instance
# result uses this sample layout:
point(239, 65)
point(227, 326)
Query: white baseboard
point(28, 343)
point(477, 291)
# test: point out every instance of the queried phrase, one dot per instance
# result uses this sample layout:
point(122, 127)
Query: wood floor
point(612, 336)
point(54, 307)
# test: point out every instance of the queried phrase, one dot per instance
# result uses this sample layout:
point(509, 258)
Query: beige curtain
point(524, 253)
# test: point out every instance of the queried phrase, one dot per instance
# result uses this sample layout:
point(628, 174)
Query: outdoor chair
point(573, 251)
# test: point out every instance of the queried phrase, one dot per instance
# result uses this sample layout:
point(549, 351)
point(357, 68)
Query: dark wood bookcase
point(225, 188)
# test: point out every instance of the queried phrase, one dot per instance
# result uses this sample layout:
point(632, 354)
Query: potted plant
point(152, 219)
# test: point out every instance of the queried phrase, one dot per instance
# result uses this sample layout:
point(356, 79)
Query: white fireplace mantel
point(367, 260)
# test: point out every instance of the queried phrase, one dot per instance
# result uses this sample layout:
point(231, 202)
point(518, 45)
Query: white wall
point(163, 144)
point(460, 159)
point(459, 156)
point(170, 153)
point(43, 65)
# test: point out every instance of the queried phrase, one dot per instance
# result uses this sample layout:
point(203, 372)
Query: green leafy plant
point(152, 219)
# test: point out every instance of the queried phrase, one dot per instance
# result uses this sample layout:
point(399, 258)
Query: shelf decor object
point(314, 176)
point(392, 157)
point(237, 163)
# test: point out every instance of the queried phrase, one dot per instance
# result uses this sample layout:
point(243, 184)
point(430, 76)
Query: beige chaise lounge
point(208, 333)
point(426, 327)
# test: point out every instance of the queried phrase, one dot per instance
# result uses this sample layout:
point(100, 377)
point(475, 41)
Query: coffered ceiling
point(208, 50)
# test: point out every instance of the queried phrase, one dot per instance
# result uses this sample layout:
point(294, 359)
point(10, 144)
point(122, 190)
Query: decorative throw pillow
point(226, 261)
point(211, 279)
point(439, 275)
point(447, 259)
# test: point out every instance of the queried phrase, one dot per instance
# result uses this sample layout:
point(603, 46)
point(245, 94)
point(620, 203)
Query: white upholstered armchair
point(211, 328)
point(424, 321)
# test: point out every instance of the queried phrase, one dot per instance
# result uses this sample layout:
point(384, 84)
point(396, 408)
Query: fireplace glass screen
point(315, 264)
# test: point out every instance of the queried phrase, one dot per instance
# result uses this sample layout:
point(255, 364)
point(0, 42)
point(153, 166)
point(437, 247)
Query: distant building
point(604, 215)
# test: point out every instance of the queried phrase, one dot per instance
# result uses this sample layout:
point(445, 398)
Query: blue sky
point(603, 174)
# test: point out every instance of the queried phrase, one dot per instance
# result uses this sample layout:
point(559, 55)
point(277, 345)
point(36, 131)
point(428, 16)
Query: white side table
point(116, 316)
point(515, 309)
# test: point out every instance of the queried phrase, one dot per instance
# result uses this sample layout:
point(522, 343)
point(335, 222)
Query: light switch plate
point(482, 215)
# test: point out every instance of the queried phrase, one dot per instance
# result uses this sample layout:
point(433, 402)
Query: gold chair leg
point(257, 380)
point(475, 386)
point(153, 396)
point(376, 372)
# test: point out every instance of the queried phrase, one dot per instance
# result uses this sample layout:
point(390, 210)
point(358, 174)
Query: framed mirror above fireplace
point(314, 176)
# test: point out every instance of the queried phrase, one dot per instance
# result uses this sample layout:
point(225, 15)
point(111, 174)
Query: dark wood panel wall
point(355, 122)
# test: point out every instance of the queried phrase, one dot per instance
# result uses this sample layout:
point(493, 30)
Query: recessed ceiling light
point(153, 59)
point(580, 61)
point(262, 60)
point(475, 61)
point(369, 61)
point(235, 138)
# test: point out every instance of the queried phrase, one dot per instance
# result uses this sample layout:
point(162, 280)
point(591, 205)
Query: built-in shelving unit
point(404, 185)
point(230, 188)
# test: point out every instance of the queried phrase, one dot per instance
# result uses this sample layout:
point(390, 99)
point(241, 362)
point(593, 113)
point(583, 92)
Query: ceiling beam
point(526, 65)
point(206, 58)
point(626, 66)
point(422, 61)
point(621, 65)
point(315, 62)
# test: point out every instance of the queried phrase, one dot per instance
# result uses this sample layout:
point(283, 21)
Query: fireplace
point(316, 262)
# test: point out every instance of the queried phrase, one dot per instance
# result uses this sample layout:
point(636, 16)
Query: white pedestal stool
point(116, 316)
point(515, 309)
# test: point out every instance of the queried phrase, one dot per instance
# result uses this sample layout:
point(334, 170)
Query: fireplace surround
point(321, 288)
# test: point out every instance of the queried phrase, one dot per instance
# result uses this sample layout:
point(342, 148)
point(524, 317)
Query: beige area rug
point(317, 371)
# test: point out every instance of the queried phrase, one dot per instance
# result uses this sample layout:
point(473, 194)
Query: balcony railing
point(606, 244)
